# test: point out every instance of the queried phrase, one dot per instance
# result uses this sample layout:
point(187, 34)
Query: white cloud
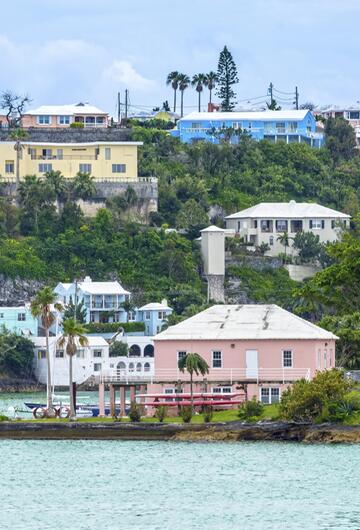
point(123, 72)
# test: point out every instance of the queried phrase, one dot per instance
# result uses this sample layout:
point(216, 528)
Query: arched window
point(131, 367)
point(147, 367)
point(149, 350)
point(134, 351)
point(138, 367)
point(121, 365)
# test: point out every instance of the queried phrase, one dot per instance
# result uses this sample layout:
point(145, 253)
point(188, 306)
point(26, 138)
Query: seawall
point(232, 431)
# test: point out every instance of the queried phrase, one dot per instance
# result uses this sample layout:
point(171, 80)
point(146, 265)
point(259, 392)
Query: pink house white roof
point(244, 322)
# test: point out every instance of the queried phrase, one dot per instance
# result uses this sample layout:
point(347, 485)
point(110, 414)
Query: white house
point(90, 362)
point(266, 221)
point(103, 300)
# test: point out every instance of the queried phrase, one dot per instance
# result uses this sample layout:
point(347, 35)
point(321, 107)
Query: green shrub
point(186, 413)
point(135, 412)
point(161, 412)
point(3, 417)
point(208, 414)
point(312, 400)
point(250, 409)
point(76, 125)
point(118, 349)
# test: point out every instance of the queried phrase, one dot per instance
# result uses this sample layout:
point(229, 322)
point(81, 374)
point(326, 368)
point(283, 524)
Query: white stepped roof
point(212, 228)
point(65, 110)
point(266, 115)
point(93, 341)
point(89, 287)
point(155, 306)
point(244, 322)
point(289, 210)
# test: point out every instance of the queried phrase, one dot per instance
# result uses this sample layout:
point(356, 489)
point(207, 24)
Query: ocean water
point(102, 485)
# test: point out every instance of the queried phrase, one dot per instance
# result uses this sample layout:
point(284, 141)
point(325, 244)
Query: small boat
point(81, 410)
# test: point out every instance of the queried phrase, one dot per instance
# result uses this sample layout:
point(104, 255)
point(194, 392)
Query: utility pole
point(270, 92)
point(296, 98)
point(119, 111)
point(126, 103)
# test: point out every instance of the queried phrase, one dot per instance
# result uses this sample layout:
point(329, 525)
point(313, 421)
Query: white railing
point(229, 375)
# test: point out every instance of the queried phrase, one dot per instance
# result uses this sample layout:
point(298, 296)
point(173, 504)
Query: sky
point(66, 51)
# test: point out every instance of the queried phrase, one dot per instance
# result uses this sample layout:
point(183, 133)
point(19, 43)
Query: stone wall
point(17, 291)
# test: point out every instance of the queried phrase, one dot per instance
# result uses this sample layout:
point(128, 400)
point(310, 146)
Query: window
point(147, 367)
point(63, 120)
point(85, 168)
point(296, 226)
point(131, 367)
point(269, 395)
point(90, 119)
point(221, 390)
point(80, 354)
point(196, 125)
point(280, 127)
point(131, 316)
point(44, 120)
point(319, 359)
point(293, 126)
point(216, 359)
point(9, 166)
point(325, 359)
point(287, 359)
point(266, 225)
point(59, 154)
point(119, 168)
point(281, 225)
point(41, 354)
point(354, 115)
point(162, 315)
point(138, 367)
point(100, 120)
point(97, 353)
point(97, 367)
point(21, 317)
point(45, 168)
point(181, 355)
point(107, 153)
point(271, 241)
point(46, 154)
point(59, 354)
point(147, 315)
point(316, 224)
point(1, 315)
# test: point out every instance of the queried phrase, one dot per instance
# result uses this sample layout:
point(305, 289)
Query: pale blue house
point(154, 316)
point(18, 320)
point(289, 126)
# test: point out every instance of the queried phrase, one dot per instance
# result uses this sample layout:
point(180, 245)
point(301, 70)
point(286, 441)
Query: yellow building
point(105, 161)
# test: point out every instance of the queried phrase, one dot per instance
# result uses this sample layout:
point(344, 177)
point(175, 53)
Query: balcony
point(223, 375)
point(106, 305)
point(64, 157)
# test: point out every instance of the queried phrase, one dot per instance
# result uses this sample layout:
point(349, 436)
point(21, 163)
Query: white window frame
point(45, 168)
point(283, 359)
point(97, 367)
point(217, 359)
point(226, 389)
point(96, 353)
point(64, 120)
point(270, 389)
point(85, 168)
point(21, 317)
point(44, 119)
point(9, 166)
point(118, 168)
point(107, 153)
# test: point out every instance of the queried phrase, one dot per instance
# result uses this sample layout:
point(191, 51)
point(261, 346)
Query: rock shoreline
point(232, 431)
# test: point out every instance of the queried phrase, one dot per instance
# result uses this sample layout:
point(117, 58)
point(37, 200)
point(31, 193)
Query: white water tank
point(213, 250)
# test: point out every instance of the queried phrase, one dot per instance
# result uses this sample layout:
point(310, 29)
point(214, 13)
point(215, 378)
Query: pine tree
point(227, 76)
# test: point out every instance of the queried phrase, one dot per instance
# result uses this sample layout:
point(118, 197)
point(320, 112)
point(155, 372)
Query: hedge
point(109, 327)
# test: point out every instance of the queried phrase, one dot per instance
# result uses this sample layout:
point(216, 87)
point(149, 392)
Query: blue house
point(154, 316)
point(289, 126)
point(18, 320)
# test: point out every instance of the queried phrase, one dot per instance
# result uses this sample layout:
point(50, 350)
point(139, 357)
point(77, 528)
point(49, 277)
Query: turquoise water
point(102, 485)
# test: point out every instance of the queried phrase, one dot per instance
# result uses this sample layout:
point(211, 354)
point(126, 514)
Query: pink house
point(255, 349)
point(63, 116)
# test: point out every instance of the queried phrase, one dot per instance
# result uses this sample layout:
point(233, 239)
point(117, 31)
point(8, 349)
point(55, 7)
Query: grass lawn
point(271, 412)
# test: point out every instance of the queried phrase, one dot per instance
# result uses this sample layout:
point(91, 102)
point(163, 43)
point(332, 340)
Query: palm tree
point(193, 363)
point(83, 186)
point(173, 80)
point(58, 184)
point(43, 306)
point(199, 81)
point(73, 336)
point(211, 80)
point(18, 135)
point(284, 239)
point(184, 82)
